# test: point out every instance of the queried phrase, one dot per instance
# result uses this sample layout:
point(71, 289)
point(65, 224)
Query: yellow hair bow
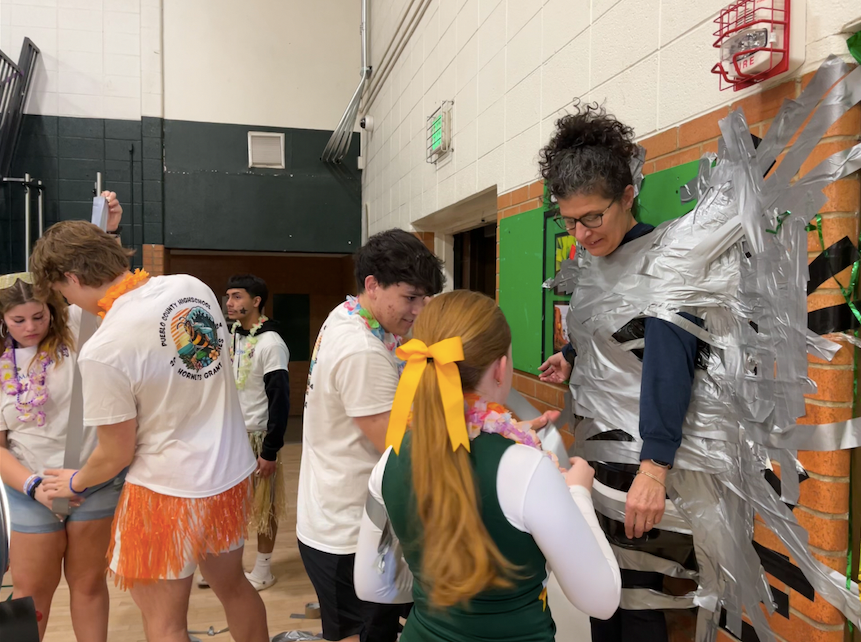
point(445, 354)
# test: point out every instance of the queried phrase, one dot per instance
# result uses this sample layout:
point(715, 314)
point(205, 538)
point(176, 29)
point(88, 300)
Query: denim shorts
point(29, 516)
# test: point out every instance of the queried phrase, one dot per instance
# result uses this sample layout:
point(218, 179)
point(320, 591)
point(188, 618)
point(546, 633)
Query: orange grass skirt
point(159, 535)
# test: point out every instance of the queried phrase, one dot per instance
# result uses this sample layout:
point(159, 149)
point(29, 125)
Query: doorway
point(475, 260)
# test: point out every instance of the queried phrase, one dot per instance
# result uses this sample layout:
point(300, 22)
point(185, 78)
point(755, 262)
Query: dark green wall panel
point(213, 201)
point(65, 153)
point(293, 312)
point(186, 185)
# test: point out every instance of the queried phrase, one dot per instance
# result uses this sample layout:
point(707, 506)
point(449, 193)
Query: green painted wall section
point(521, 268)
point(659, 199)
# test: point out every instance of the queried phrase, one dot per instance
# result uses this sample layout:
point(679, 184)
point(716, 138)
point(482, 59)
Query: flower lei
point(130, 282)
point(250, 344)
point(487, 416)
point(353, 307)
point(35, 389)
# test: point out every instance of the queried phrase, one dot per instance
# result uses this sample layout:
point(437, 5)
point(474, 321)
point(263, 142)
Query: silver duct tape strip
point(380, 518)
point(551, 439)
point(696, 453)
point(649, 600)
point(691, 328)
point(611, 503)
point(633, 344)
point(830, 584)
point(838, 101)
point(640, 561)
point(617, 452)
point(638, 161)
point(821, 347)
point(840, 435)
point(551, 442)
point(794, 112)
point(729, 569)
point(565, 278)
point(833, 168)
point(842, 336)
point(694, 189)
point(75, 429)
point(376, 512)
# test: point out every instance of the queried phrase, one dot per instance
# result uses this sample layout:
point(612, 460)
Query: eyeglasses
point(590, 221)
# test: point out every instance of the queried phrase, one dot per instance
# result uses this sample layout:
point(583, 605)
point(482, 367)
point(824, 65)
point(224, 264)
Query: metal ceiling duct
point(339, 142)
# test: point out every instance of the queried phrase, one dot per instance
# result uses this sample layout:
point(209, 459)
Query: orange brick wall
point(824, 502)
point(153, 259)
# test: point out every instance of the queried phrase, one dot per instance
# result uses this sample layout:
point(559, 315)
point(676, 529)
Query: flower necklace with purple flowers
point(31, 393)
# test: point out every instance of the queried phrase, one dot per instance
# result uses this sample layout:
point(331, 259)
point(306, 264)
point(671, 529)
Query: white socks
point(262, 567)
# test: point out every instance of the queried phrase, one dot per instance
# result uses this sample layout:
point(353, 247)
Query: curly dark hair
point(590, 151)
point(396, 256)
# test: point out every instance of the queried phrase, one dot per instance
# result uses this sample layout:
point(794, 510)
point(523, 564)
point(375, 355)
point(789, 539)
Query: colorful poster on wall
point(560, 328)
point(566, 247)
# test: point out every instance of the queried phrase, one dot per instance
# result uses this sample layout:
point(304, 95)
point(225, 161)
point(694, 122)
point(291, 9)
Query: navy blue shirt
point(669, 358)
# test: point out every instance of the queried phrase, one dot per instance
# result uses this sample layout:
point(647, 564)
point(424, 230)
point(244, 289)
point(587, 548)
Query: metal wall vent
point(266, 149)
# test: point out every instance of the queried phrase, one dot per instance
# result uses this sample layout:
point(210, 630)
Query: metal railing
point(15, 82)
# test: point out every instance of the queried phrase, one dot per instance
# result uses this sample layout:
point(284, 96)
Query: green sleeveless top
point(517, 614)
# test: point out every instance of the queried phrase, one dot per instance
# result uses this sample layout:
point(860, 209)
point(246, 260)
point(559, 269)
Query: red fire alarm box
point(758, 40)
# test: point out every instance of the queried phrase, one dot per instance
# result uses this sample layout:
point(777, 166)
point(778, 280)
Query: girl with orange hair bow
point(465, 513)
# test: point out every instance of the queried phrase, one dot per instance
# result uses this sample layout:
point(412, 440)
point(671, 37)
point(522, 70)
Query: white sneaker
point(261, 585)
point(201, 581)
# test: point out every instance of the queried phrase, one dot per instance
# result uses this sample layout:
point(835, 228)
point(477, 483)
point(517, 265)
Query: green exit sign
point(439, 132)
point(436, 133)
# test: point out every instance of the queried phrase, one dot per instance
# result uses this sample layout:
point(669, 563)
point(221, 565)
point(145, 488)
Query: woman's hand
point(644, 507)
point(555, 370)
point(580, 473)
point(56, 483)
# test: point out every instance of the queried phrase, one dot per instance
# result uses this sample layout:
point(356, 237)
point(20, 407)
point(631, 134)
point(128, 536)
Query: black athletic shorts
point(342, 612)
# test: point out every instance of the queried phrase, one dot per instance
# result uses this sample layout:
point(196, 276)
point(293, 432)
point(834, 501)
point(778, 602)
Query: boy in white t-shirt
point(351, 386)
point(260, 359)
point(156, 381)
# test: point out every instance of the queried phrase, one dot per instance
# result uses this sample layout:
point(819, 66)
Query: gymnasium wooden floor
point(288, 596)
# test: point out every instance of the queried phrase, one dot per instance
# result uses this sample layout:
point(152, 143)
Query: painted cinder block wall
point(824, 502)
point(511, 66)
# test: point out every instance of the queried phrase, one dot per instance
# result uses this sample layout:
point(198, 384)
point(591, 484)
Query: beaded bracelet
point(32, 491)
point(71, 488)
point(26, 487)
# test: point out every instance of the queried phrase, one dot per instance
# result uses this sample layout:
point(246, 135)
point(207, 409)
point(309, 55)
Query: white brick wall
point(512, 66)
point(284, 63)
point(93, 54)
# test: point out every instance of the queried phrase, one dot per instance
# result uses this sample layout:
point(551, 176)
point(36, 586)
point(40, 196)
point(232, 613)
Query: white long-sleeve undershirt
point(535, 499)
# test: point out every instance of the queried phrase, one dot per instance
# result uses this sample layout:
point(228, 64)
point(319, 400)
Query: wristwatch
point(662, 464)
point(117, 231)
